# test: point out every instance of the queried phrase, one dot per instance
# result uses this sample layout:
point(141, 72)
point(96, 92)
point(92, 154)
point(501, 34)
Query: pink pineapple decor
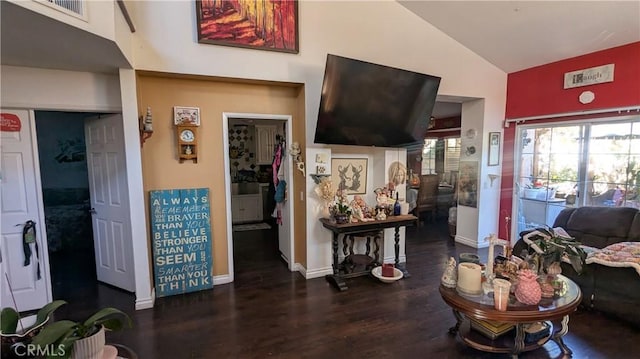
point(528, 290)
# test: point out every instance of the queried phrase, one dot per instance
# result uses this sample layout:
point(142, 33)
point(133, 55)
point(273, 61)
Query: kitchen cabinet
point(265, 143)
point(246, 208)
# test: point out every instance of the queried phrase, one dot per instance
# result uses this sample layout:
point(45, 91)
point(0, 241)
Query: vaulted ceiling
point(517, 35)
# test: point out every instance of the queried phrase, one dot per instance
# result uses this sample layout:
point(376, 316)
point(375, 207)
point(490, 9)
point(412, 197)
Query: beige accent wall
point(161, 168)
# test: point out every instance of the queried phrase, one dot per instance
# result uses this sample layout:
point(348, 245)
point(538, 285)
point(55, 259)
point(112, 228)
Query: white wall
point(377, 31)
point(25, 87)
point(98, 17)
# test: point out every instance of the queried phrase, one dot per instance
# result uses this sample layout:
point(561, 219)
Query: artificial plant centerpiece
point(341, 209)
point(82, 339)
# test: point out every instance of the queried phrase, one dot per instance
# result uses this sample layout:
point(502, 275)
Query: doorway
point(64, 140)
point(259, 228)
point(65, 192)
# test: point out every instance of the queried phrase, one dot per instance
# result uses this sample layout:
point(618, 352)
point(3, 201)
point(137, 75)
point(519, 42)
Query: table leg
point(557, 336)
point(335, 279)
point(403, 268)
point(518, 344)
point(454, 330)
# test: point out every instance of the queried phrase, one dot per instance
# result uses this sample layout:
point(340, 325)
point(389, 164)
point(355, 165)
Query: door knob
point(92, 210)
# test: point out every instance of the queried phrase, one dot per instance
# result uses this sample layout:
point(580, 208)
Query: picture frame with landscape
point(270, 25)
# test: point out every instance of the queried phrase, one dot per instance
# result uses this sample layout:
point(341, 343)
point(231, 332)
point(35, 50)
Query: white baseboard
point(392, 259)
point(222, 279)
point(317, 273)
point(146, 302)
point(298, 267)
point(470, 242)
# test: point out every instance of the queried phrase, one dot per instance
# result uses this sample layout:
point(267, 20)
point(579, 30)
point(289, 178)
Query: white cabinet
point(538, 213)
point(265, 142)
point(246, 208)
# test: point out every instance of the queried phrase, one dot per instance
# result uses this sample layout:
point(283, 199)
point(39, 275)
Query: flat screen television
point(366, 104)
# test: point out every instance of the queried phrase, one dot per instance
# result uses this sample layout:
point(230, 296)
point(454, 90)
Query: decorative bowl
point(377, 272)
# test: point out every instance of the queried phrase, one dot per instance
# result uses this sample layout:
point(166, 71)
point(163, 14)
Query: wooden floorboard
point(269, 312)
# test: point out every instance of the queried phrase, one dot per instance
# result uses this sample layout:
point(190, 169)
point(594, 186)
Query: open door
point(20, 200)
point(109, 201)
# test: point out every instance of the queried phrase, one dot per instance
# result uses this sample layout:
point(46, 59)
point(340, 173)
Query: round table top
point(481, 306)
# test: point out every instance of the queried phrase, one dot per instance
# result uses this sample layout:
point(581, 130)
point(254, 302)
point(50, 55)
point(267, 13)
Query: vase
point(89, 348)
point(341, 218)
point(528, 290)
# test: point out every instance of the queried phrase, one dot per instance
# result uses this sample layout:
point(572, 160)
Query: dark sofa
point(611, 290)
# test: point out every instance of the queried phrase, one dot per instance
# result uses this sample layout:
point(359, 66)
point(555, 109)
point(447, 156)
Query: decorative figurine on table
point(360, 210)
point(528, 290)
point(450, 276)
point(487, 285)
point(382, 197)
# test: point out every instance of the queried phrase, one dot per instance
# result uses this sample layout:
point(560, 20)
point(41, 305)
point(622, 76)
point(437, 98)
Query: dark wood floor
point(271, 312)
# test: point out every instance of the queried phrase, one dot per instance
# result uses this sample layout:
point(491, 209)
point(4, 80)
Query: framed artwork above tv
point(262, 25)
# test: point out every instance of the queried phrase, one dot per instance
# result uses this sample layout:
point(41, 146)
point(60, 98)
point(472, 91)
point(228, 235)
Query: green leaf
point(9, 320)
point(112, 323)
point(45, 311)
point(102, 315)
point(55, 332)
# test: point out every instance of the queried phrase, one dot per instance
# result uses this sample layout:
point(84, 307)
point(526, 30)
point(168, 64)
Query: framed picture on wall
point(186, 116)
point(468, 184)
point(349, 174)
point(254, 24)
point(494, 149)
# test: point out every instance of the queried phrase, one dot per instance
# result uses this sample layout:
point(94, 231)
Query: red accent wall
point(539, 91)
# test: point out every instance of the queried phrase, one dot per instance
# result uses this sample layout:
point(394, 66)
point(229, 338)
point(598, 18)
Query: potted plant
point(84, 339)
point(10, 320)
point(341, 210)
point(552, 245)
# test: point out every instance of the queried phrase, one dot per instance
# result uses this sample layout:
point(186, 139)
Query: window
point(451, 154)
point(429, 156)
point(70, 7)
point(595, 163)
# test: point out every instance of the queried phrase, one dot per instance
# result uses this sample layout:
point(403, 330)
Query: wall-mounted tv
point(367, 104)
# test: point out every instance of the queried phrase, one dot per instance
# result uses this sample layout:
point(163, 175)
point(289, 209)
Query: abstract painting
point(256, 24)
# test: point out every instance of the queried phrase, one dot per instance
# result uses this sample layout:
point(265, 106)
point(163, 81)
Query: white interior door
point(109, 201)
point(21, 202)
point(285, 232)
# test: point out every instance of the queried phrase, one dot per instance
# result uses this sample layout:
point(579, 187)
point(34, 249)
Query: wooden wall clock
point(187, 142)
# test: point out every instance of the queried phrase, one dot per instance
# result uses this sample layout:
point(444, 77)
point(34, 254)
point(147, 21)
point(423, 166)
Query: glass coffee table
point(554, 312)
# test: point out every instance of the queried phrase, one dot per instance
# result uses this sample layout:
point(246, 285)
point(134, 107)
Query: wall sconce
point(146, 126)
point(296, 154)
point(493, 177)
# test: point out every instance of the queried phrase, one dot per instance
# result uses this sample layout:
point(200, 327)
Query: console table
point(337, 278)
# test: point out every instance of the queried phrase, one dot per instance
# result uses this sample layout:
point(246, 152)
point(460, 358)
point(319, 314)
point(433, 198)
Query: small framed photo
point(494, 149)
point(186, 115)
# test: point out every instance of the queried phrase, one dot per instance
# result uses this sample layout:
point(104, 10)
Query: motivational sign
point(181, 232)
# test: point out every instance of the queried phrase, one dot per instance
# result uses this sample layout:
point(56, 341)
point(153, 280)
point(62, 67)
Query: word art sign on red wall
point(181, 232)
point(10, 122)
